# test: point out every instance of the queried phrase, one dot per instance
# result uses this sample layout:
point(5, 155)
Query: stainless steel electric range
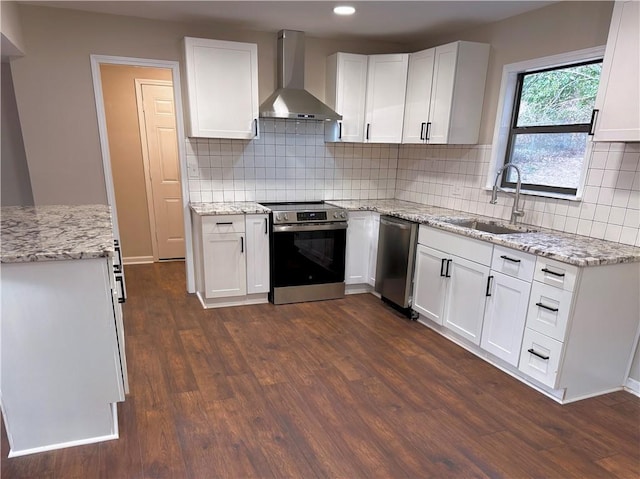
point(307, 242)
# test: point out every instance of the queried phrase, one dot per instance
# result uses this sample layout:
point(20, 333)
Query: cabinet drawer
point(555, 273)
point(549, 310)
point(513, 263)
point(540, 357)
point(223, 224)
point(469, 248)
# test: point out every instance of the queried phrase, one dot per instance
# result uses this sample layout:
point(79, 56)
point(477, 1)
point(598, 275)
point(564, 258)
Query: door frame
point(140, 82)
point(174, 66)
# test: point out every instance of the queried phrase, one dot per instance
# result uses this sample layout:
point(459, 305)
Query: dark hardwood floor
point(344, 389)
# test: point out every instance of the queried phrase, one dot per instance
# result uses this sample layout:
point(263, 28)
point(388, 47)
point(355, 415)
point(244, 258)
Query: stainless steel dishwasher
point(397, 241)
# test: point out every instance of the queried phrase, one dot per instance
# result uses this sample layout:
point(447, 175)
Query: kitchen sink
point(492, 227)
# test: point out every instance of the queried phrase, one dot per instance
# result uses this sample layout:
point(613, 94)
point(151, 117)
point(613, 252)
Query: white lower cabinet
point(231, 257)
point(430, 283)
point(449, 289)
point(257, 231)
point(540, 358)
point(362, 248)
point(224, 265)
point(504, 317)
point(63, 368)
point(507, 303)
point(466, 295)
point(569, 331)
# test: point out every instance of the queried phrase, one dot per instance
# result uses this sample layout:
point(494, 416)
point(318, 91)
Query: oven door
point(310, 257)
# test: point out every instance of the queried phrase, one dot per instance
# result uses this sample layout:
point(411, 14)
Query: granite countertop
point(567, 248)
point(229, 208)
point(59, 232)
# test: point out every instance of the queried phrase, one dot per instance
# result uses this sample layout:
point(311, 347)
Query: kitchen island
point(62, 338)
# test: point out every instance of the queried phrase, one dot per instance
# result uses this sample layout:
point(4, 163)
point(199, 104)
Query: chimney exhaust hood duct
point(291, 100)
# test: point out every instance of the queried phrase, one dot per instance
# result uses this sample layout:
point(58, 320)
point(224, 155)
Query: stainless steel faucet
point(516, 212)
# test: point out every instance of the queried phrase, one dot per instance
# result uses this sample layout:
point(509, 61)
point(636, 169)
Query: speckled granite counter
point(49, 233)
point(568, 248)
point(230, 208)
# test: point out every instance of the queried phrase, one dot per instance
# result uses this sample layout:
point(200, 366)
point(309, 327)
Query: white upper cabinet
point(369, 93)
point(445, 93)
point(386, 90)
point(618, 99)
point(221, 88)
point(416, 108)
point(346, 89)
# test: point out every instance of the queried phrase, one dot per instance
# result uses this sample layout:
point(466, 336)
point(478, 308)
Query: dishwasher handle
point(395, 224)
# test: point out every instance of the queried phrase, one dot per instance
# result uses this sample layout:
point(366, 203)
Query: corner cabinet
point(445, 92)
point(369, 93)
point(231, 257)
point(63, 362)
point(221, 88)
point(618, 100)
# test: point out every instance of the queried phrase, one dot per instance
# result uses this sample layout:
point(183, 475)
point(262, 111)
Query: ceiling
point(391, 21)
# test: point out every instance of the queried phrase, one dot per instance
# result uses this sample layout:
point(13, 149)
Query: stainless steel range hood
point(291, 100)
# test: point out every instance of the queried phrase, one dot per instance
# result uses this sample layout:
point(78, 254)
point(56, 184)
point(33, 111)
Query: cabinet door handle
point(560, 275)
point(242, 244)
point(225, 223)
point(120, 282)
point(423, 135)
point(266, 227)
point(256, 127)
point(513, 260)
point(427, 133)
point(339, 130)
point(548, 308)
point(536, 353)
point(592, 123)
point(488, 292)
point(117, 268)
point(447, 275)
point(442, 263)
point(366, 136)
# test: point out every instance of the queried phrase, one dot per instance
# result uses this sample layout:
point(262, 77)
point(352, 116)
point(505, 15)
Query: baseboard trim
point(137, 260)
point(632, 386)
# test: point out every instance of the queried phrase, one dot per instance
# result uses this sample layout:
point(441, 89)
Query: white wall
point(16, 187)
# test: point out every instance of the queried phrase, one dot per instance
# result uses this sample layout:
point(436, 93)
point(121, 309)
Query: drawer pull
point(223, 223)
point(536, 353)
point(549, 308)
point(560, 275)
point(242, 244)
point(513, 260)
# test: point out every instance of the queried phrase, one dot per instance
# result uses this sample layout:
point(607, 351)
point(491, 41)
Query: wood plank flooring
point(334, 389)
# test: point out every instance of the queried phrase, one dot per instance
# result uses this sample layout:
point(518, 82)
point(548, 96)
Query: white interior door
point(162, 167)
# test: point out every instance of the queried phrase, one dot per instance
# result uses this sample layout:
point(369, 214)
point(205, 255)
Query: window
point(550, 126)
point(544, 122)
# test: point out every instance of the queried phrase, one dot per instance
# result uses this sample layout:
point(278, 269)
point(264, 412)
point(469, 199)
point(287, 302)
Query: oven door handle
point(310, 227)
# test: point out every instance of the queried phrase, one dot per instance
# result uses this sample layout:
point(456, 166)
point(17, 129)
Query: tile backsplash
point(291, 162)
point(455, 176)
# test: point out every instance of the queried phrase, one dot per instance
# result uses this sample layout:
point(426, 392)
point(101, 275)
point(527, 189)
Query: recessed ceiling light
point(344, 10)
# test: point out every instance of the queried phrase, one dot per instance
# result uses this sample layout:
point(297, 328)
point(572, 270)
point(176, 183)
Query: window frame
point(506, 111)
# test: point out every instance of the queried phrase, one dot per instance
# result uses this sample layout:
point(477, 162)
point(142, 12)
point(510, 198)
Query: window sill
point(542, 194)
